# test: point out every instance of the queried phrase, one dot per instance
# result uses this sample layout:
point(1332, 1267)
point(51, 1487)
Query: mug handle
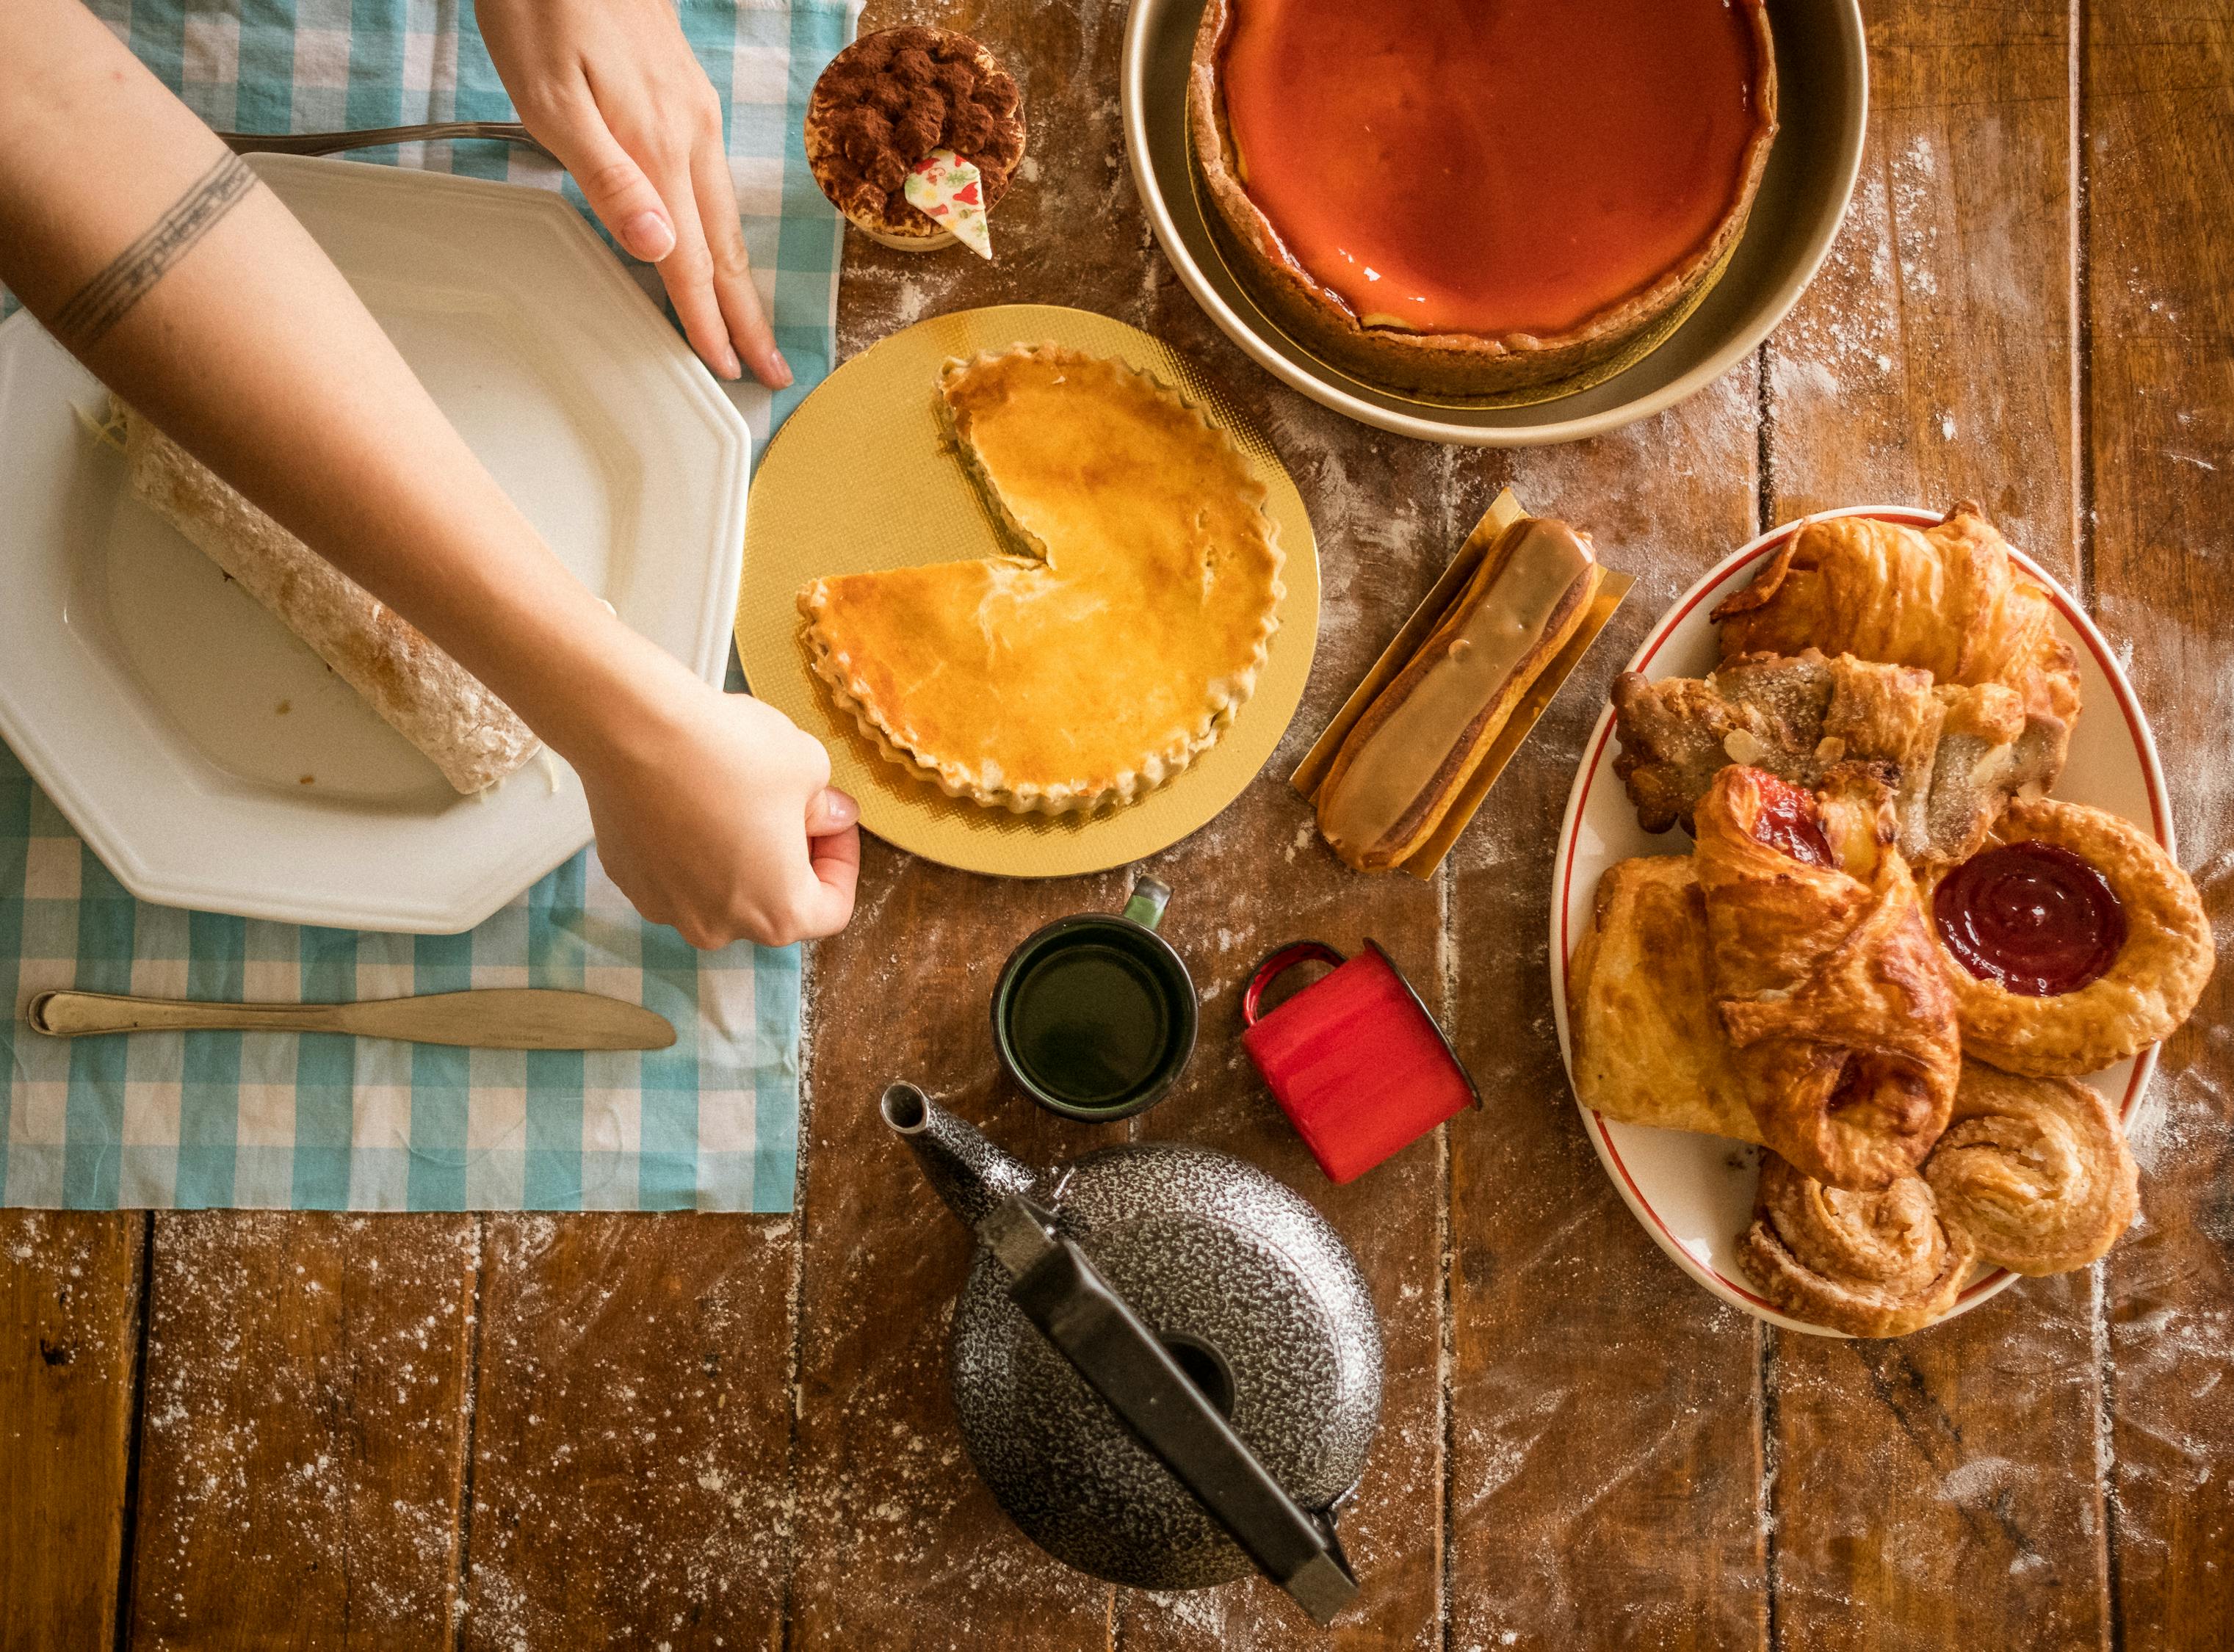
point(1278, 965)
point(1145, 905)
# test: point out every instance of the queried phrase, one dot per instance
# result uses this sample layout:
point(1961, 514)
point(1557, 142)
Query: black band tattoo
point(106, 299)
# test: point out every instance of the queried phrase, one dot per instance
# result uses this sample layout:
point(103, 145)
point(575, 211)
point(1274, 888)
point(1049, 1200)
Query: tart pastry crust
point(2148, 990)
point(1456, 363)
point(1115, 642)
point(1844, 1029)
point(2035, 1171)
point(1869, 1264)
point(1646, 1044)
point(1947, 600)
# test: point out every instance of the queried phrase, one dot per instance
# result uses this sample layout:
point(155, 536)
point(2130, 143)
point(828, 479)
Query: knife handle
point(488, 1018)
point(75, 1015)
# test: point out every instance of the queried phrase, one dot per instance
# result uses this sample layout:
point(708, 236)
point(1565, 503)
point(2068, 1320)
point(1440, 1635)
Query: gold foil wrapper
point(1504, 511)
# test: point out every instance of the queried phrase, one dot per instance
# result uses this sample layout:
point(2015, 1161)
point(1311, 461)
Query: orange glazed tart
point(1469, 199)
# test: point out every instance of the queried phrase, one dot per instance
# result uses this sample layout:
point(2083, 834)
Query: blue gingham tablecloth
point(326, 1122)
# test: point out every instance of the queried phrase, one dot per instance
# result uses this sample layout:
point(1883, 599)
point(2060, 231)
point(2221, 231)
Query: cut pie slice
point(1123, 633)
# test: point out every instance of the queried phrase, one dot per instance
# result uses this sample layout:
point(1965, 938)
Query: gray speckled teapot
point(1167, 1366)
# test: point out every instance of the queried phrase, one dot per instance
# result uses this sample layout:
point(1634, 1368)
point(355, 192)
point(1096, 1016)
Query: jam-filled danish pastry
point(1842, 1028)
point(2071, 940)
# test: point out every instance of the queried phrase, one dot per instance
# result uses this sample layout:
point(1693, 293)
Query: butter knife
point(491, 1018)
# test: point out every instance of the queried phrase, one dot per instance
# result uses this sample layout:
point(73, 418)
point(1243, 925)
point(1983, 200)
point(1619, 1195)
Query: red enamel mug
point(1355, 1060)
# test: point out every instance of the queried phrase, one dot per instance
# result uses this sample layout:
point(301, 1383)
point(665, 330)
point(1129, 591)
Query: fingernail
point(731, 367)
point(777, 370)
point(648, 235)
point(844, 811)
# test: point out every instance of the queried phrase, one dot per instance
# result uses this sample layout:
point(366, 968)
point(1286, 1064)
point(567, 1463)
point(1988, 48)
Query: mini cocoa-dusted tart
point(894, 97)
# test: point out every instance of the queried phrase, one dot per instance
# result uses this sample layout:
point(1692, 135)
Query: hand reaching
point(611, 89)
point(724, 823)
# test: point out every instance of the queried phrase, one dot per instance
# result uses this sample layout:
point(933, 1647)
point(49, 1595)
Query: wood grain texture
point(1224, 926)
point(631, 1433)
point(1606, 1474)
point(737, 1430)
point(69, 1325)
point(302, 1437)
point(1938, 1489)
point(1932, 358)
point(2158, 106)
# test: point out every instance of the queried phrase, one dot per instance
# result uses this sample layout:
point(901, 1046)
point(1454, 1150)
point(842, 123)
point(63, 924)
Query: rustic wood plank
point(631, 1433)
point(69, 1342)
point(1942, 1490)
point(1605, 1459)
point(899, 1545)
point(1386, 515)
point(1932, 358)
point(302, 1439)
point(2158, 119)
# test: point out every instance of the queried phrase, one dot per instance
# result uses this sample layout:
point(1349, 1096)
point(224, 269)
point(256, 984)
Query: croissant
point(1947, 600)
point(1644, 1042)
point(2035, 1171)
point(1828, 987)
point(1954, 755)
point(1870, 1264)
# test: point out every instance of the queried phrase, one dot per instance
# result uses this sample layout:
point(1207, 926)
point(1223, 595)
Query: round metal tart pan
point(1822, 66)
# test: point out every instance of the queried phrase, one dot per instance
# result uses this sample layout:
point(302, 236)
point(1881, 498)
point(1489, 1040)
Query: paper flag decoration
point(946, 188)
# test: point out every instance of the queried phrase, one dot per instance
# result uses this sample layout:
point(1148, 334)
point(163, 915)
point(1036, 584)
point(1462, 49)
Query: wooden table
point(695, 1431)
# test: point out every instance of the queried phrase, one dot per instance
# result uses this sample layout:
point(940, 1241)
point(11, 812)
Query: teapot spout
point(969, 1172)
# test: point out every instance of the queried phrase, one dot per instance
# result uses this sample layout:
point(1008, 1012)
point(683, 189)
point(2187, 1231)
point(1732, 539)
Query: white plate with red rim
point(1694, 1194)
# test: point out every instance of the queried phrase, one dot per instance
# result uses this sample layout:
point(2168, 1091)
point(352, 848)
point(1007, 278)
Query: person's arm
point(154, 256)
point(610, 87)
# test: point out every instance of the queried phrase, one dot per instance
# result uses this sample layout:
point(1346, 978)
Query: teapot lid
point(1228, 1280)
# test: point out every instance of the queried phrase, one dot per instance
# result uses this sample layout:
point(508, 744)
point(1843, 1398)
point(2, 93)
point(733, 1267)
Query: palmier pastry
point(2070, 941)
point(1948, 600)
point(2035, 1171)
point(1956, 755)
point(1645, 1040)
point(1824, 975)
point(1870, 1264)
point(1412, 750)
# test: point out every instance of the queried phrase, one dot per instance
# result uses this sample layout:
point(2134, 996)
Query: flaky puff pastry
point(1826, 978)
point(1871, 1264)
point(2035, 1171)
point(2147, 991)
point(1948, 599)
point(1645, 1040)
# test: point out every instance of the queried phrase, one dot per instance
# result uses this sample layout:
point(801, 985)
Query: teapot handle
point(1122, 1360)
point(1278, 965)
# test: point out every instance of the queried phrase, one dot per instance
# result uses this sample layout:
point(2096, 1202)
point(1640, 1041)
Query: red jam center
point(2035, 917)
point(1786, 822)
point(1491, 166)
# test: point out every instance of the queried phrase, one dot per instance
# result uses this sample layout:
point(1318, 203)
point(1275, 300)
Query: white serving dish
point(1694, 1194)
point(143, 689)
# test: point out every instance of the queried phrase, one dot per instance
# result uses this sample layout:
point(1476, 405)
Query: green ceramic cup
point(1093, 1016)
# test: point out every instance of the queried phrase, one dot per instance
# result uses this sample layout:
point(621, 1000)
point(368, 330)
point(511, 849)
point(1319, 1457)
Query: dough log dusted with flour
point(420, 692)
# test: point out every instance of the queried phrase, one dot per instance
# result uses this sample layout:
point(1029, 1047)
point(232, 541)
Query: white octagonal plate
point(174, 721)
point(1695, 1193)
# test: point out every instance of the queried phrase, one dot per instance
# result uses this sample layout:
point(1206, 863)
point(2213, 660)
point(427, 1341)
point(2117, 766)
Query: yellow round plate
point(860, 477)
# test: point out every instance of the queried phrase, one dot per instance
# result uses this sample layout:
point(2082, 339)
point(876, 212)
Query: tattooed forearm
point(106, 299)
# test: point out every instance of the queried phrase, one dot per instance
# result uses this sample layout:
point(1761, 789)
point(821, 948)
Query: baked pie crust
point(1114, 642)
point(1447, 363)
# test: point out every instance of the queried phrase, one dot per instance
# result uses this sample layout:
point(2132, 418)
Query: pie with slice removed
point(1119, 637)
